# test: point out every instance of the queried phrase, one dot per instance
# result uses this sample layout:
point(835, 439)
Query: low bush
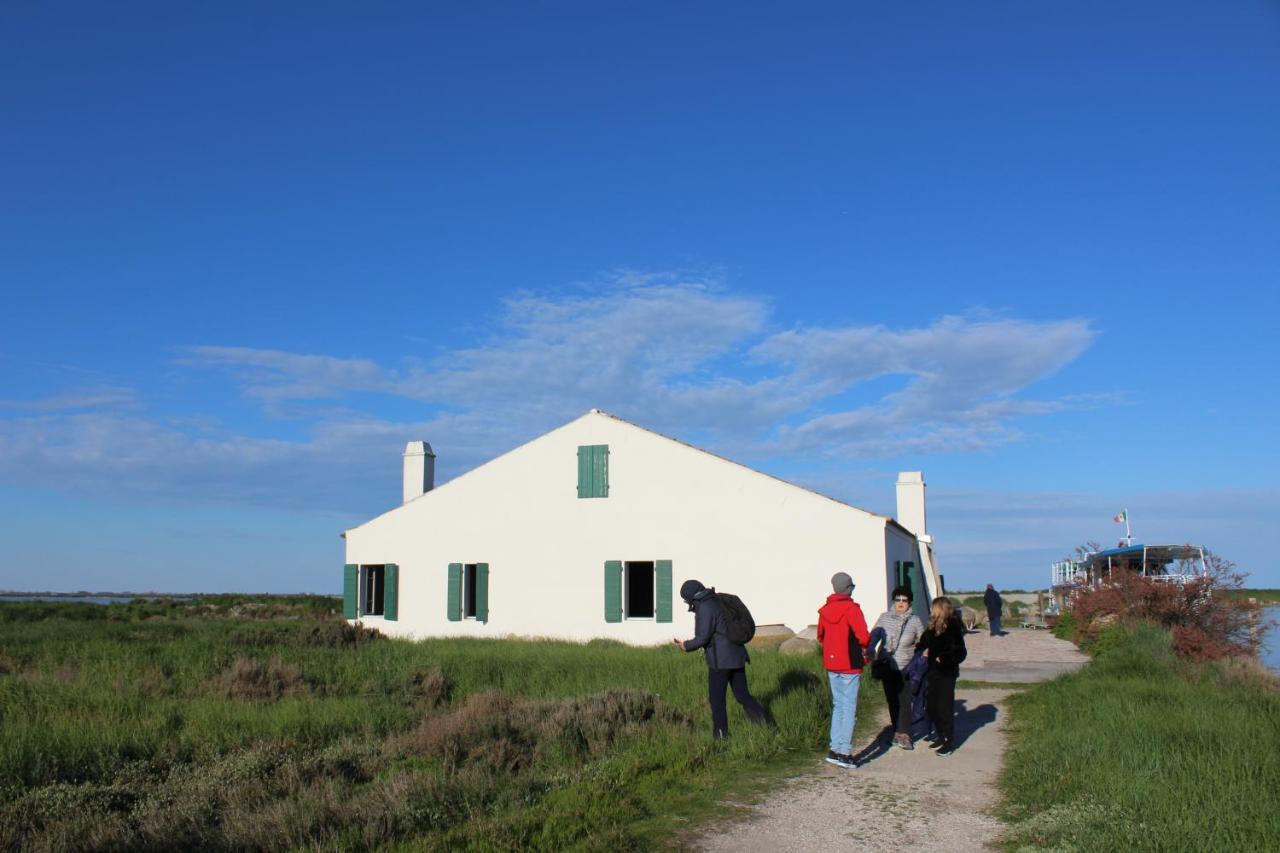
point(249, 678)
point(1204, 623)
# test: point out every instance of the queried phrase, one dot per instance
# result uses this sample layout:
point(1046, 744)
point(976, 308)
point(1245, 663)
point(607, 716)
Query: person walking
point(943, 645)
point(842, 631)
point(726, 660)
point(994, 604)
point(896, 633)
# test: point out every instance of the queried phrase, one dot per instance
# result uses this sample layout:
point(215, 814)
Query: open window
point(371, 590)
point(637, 589)
point(468, 592)
point(373, 583)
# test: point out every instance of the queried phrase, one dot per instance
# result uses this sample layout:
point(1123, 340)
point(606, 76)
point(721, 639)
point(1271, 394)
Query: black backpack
point(739, 627)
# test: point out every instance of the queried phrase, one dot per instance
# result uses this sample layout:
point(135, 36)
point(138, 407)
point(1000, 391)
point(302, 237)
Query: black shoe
point(936, 744)
point(947, 749)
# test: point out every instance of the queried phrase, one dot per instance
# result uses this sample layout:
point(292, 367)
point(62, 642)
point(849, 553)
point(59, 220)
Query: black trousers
point(941, 698)
point(718, 680)
point(897, 695)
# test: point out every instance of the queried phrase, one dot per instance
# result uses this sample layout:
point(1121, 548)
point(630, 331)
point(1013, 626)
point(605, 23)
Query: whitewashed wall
point(774, 544)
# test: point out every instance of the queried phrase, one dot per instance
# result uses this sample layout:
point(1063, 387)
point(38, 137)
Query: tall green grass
point(158, 727)
point(1140, 750)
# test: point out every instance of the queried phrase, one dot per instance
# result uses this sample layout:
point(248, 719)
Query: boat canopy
point(1174, 563)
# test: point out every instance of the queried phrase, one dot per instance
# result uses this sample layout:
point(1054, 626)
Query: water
point(87, 599)
point(1270, 653)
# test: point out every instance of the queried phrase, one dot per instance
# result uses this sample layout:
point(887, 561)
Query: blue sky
point(248, 250)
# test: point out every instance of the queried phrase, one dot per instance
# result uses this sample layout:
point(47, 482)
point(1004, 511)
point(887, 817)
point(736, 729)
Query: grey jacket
point(900, 651)
point(709, 635)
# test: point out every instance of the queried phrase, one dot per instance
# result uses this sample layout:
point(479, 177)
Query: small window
point(372, 588)
point(638, 583)
point(593, 471)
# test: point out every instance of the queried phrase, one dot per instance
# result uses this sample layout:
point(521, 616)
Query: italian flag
point(1122, 517)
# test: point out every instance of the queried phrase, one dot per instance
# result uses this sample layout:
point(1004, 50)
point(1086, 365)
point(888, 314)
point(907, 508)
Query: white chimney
point(911, 502)
point(419, 469)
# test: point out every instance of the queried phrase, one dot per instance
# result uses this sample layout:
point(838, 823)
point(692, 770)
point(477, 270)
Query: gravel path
point(895, 799)
point(898, 799)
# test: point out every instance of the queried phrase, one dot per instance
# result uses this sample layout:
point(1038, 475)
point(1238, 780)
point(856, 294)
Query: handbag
point(882, 667)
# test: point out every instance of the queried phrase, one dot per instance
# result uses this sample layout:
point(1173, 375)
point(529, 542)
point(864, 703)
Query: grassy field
point(236, 723)
point(1140, 750)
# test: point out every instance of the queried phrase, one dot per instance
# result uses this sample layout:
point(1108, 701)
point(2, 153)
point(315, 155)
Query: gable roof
point(600, 413)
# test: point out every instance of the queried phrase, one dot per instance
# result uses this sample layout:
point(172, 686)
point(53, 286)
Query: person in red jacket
point(842, 631)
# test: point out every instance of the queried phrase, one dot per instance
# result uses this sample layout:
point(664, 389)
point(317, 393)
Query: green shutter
point(600, 471)
point(391, 593)
point(482, 592)
point(613, 590)
point(350, 588)
point(593, 471)
point(663, 568)
point(454, 597)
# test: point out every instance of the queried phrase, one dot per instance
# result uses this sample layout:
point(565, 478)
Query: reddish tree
point(1204, 623)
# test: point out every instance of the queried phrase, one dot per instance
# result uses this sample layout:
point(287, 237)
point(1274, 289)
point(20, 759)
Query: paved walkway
point(1020, 655)
point(902, 800)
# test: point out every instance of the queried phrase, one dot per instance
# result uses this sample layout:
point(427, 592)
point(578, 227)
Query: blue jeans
point(844, 709)
point(995, 623)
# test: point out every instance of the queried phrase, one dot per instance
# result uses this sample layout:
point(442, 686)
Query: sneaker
point(845, 761)
point(947, 749)
point(937, 744)
point(903, 742)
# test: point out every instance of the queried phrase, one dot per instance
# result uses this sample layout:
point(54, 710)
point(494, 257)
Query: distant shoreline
point(88, 594)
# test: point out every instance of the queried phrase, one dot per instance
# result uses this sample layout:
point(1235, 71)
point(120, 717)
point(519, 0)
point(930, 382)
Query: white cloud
point(687, 357)
point(105, 396)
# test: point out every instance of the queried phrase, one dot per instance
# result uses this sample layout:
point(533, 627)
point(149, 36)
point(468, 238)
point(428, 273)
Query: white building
point(589, 530)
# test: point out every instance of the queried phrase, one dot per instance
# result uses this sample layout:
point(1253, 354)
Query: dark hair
point(902, 590)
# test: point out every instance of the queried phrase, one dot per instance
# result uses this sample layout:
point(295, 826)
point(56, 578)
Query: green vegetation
point(1144, 750)
point(271, 723)
point(1262, 596)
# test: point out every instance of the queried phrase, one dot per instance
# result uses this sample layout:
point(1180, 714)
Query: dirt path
point(895, 799)
point(901, 799)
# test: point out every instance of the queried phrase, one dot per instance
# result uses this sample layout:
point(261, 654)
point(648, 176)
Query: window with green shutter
point(593, 471)
point(664, 590)
point(350, 590)
point(453, 593)
point(482, 592)
point(613, 590)
point(468, 592)
point(637, 589)
point(391, 593)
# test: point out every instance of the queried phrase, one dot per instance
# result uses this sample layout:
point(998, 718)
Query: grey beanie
point(841, 582)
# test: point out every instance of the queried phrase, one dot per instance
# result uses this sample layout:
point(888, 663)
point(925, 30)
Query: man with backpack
point(842, 631)
point(716, 627)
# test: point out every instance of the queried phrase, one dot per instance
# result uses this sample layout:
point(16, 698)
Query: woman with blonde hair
point(943, 646)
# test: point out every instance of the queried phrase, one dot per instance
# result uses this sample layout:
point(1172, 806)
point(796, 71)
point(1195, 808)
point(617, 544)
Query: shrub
point(249, 678)
point(1066, 626)
point(1204, 623)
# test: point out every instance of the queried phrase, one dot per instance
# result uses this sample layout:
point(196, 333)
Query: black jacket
point(992, 599)
point(946, 650)
point(709, 634)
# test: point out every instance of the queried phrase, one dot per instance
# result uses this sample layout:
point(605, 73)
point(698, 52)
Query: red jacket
point(840, 624)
